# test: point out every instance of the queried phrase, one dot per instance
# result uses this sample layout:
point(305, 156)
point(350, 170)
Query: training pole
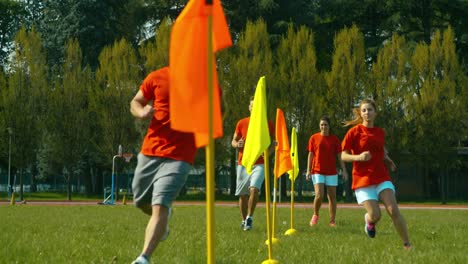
point(210, 221)
point(274, 240)
point(270, 260)
point(292, 231)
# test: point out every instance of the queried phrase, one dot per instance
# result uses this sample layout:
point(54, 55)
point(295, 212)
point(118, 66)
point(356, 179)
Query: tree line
point(68, 108)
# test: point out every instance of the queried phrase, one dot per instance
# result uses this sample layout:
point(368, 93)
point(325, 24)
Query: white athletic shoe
point(140, 260)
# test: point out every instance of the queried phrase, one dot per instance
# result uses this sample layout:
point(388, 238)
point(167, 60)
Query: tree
point(70, 114)
point(25, 100)
point(434, 102)
point(240, 68)
point(346, 79)
point(11, 13)
point(155, 52)
point(299, 93)
point(4, 133)
point(418, 21)
point(95, 24)
point(117, 79)
point(388, 81)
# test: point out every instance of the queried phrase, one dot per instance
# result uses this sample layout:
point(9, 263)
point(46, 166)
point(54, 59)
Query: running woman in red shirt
point(164, 161)
point(324, 149)
point(364, 145)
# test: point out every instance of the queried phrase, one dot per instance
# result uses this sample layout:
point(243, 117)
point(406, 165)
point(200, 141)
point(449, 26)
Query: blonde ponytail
point(357, 118)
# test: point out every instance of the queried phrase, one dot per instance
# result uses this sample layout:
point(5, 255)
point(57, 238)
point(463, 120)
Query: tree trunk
point(69, 191)
point(443, 183)
point(21, 185)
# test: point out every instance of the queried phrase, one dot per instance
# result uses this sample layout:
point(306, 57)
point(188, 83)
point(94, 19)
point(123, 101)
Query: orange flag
point(188, 64)
point(282, 156)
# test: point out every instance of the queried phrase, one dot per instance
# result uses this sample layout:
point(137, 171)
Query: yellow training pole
point(267, 206)
point(12, 198)
point(292, 231)
point(210, 222)
point(274, 240)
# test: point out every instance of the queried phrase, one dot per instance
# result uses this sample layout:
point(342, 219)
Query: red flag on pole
point(188, 69)
point(283, 152)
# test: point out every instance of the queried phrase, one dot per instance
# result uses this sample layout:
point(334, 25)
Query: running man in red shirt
point(324, 149)
point(248, 186)
point(364, 145)
point(164, 162)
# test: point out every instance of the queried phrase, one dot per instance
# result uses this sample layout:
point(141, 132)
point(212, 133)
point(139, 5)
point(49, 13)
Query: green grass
point(114, 234)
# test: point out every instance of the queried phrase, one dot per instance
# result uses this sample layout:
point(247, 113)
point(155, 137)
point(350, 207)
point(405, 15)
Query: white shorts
point(372, 192)
point(246, 181)
point(328, 180)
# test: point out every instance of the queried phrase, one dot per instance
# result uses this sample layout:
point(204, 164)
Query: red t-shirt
point(161, 140)
point(359, 139)
point(325, 149)
point(241, 130)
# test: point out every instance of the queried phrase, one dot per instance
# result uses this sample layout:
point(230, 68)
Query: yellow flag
point(294, 155)
point(258, 133)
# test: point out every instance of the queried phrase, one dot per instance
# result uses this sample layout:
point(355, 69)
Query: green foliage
point(434, 101)
point(388, 81)
point(117, 82)
point(240, 69)
point(346, 80)
point(23, 101)
point(11, 13)
point(104, 234)
point(155, 53)
point(95, 24)
point(251, 58)
point(69, 103)
point(419, 88)
point(300, 86)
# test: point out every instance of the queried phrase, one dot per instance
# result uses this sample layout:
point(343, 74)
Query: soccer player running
point(324, 149)
point(248, 186)
point(164, 162)
point(364, 145)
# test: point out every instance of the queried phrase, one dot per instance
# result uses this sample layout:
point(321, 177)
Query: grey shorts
point(158, 181)
point(246, 181)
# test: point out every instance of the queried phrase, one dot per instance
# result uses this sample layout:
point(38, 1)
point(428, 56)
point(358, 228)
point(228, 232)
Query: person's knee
point(319, 196)
point(253, 191)
point(393, 211)
point(374, 217)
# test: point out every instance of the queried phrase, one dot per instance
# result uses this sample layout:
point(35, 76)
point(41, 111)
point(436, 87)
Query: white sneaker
point(164, 237)
point(140, 260)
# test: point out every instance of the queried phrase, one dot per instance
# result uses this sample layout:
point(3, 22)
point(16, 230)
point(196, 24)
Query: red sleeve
point(310, 146)
point(347, 143)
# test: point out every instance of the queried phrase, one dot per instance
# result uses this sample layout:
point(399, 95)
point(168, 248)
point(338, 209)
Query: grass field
point(114, 234)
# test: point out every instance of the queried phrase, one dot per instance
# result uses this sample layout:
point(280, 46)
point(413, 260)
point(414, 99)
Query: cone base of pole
point(270, 261)
point(274, 241)
point(290, 231)
point(12, 199)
